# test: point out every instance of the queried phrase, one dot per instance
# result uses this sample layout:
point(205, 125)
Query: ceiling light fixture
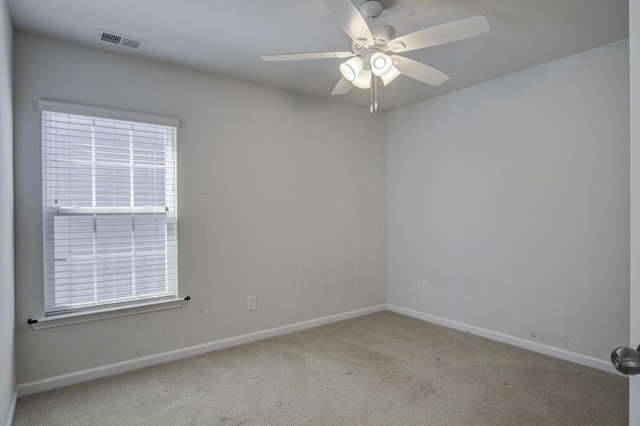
point(351, 68)
point(363, 80)
point(380, 64)
point(390, 75)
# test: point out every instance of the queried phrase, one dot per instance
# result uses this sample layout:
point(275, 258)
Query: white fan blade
point(440, 34)
point(342, 87)
point(419, 71)
point(351, 21)
point(305, 56)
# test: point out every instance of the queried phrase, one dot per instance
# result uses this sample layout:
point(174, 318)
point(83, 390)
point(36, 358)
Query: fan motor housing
point(381, 32)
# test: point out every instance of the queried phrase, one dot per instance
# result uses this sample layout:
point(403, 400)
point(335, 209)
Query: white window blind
point(109, 208)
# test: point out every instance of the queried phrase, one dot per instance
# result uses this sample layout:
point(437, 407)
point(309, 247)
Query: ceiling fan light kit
point(389, 76)
point(380, 64)
point(363, 80)
point(351, 68)
point(371, 40)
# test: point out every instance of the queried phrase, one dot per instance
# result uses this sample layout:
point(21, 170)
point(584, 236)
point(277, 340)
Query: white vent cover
point(114, 39)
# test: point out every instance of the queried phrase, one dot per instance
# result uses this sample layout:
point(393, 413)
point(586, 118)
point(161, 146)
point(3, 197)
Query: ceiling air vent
point(120, 40)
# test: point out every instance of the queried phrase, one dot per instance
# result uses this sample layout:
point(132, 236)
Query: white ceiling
point(228, 36)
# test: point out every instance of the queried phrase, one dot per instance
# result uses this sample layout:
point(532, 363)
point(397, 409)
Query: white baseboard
point(510, 340)
point(12, 407)
point(133, 364)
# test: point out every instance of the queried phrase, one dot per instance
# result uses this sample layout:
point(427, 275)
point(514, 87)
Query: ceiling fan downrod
point(371, 9)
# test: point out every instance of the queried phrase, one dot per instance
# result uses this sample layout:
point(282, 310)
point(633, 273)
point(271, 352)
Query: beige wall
point(281, 196)
point(512, 199)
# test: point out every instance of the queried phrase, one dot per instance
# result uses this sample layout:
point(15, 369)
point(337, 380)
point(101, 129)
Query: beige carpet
point(379, 369)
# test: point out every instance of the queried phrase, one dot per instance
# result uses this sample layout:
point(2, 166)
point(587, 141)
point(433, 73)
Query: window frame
point(109, 309)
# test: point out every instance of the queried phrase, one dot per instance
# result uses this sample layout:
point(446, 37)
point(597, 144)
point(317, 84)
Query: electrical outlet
point(251, 303)
point(425, 286)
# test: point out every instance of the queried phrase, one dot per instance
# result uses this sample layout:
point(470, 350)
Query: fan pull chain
point(373, 103)
point(371, 99)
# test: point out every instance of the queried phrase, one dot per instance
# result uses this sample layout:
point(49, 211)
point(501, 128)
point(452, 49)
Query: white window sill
point(96, 315)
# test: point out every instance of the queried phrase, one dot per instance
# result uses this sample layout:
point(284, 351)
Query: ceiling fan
point(374, 46)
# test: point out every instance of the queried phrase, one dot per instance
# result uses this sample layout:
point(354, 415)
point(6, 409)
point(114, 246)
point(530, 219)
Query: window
point(109, 207)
